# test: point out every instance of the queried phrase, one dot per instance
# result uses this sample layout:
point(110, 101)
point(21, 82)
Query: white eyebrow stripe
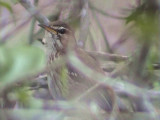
point(56, 28)
point(63, 28)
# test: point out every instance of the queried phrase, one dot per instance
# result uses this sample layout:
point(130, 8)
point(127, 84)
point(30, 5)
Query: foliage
point(7, 6)
point(18, 62)
point(133, 76)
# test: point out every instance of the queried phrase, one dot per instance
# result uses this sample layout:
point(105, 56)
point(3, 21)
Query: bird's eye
point(61, 30)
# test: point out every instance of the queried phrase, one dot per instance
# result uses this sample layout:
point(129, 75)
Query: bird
point(60, 41)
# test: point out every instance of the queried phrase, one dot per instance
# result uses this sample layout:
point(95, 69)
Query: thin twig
point(27, 4)
point(107, 56)
point(33, 11)
point(159, 28)
point(121, 88)
point(8, 87)
point(103, 32)
point(104, 13)
point(93, 45)
point(31, 33)
point(84, 26)
point(121, 40)
point(131, 89)
point(14, 30)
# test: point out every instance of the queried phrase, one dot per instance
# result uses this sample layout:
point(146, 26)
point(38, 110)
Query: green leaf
point(19, 62)
point(7, 6)
point(14, 1)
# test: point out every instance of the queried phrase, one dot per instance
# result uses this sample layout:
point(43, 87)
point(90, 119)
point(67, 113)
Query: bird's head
point(59, 35)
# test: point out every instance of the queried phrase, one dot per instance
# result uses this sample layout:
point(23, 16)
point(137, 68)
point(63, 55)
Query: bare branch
point(14, 30)
point(107, 56)
point(102, 31)
point(33, 11)
point(104, 13)
point(84, 26)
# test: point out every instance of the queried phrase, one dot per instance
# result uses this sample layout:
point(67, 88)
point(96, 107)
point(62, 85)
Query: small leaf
point(14, 1)
point(18, 62)
point(7, 6)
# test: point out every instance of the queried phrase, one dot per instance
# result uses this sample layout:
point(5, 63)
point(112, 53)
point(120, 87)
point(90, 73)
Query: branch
point(72, 111)
point(121, 88)
point(33, 11)
point(102, 31)
point(14, 30)
point(84, 24)
point(31, 32)
point(107, 56)
point(134, 91)
point(104, 13)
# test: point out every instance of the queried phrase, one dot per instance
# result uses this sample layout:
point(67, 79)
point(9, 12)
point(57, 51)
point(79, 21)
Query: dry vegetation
point(122, 35)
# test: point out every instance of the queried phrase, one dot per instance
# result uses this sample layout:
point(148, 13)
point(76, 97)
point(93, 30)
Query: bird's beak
point(48, 28)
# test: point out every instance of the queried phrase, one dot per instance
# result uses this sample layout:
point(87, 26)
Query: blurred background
point(105, 18)
point(124, 34)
